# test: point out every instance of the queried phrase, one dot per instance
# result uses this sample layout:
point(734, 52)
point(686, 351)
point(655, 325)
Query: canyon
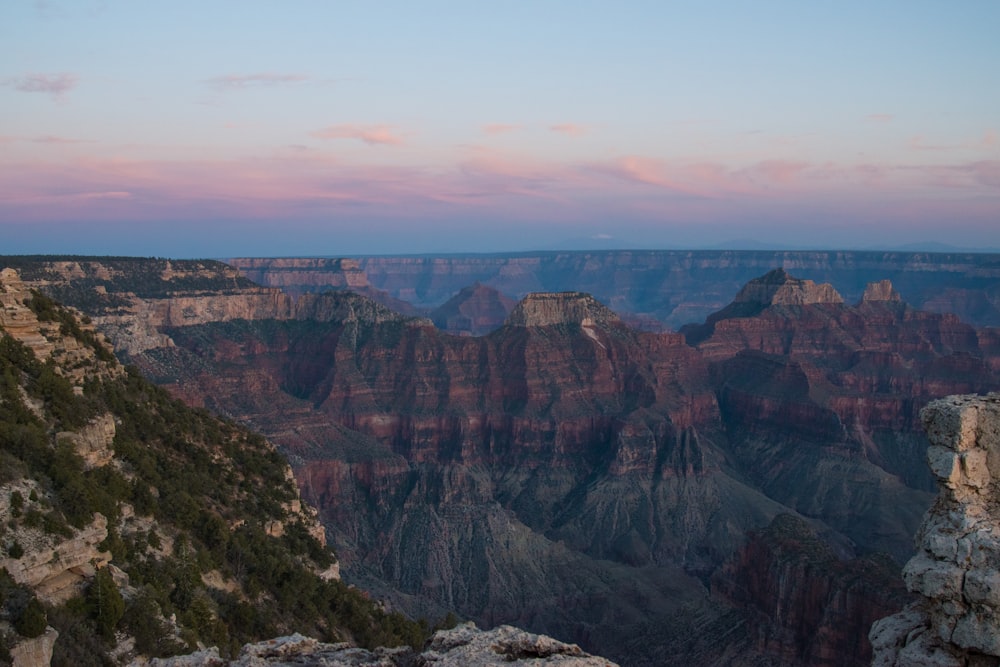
point(648, 288)
point(578, 470)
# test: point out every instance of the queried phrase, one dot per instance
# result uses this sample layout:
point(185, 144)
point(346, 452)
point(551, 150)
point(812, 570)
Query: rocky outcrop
point(462, 646)
point(36, 652)
point(957, 568)
point(17, 319)
point(777, 288)
point(57, 569)
point(548, 309)
point(93, 442)
point(881, 291)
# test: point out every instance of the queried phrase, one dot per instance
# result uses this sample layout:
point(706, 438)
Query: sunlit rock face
point(957, 568)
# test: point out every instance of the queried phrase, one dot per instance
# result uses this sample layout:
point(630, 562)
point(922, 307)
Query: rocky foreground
point(956, 572)
point(462, 646)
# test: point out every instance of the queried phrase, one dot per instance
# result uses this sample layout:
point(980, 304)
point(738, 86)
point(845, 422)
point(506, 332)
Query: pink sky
point(620, 127)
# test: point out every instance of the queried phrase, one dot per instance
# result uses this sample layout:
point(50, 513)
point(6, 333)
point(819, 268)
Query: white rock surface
point(957, 567)
point(462, 646)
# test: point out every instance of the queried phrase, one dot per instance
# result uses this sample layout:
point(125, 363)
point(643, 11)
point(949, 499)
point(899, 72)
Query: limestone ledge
point(58, 569)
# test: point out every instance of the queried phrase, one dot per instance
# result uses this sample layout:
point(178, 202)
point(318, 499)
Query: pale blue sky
point(360, 127)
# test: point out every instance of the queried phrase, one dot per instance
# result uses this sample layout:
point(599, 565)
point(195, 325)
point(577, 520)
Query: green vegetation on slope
point(204, 497)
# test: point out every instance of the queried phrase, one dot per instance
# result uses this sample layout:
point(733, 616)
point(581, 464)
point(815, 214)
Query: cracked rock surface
point(957, 566)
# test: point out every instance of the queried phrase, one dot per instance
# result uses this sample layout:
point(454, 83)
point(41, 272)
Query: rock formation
point(777, 288)
point(956, 570)
point(35, 652)
point(462, 646)
point(549, 309)
point(881, 290)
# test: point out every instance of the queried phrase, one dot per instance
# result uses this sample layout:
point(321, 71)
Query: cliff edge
point(956, 570)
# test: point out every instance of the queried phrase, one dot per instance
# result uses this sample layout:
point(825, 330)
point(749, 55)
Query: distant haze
point(254, 128)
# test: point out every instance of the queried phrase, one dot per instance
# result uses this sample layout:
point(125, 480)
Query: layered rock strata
point(673, 287)
point(956, 571)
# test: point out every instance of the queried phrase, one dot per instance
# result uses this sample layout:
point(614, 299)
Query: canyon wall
point(578, 477)
point(669, 287)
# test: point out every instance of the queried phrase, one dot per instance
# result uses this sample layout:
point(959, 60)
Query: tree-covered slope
point(130, 520)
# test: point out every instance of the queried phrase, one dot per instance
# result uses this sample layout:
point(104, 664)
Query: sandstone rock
point(94, 441)
point(35, 652)
point(881, 291)
point(57, 570)
point(957, 570)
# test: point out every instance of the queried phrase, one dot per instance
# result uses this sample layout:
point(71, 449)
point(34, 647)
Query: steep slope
point(126, 514)
point(821, 399)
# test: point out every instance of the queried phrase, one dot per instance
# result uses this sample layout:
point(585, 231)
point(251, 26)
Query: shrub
point(31, 623)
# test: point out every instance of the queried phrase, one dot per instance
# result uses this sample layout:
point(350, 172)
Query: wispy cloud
point(880, 117)
point(56, 85)
point(229, 82)
point(370, 134)
point(499, 128)
point(51, 139)
point(571, 129)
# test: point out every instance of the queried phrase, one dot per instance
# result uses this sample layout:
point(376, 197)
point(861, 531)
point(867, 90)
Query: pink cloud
point(571, 129)
point(56, 85)
point(499, 128)
point(292, 185)
point(370, 134)
point(881, 117)
point(779, 171)
point(989, 138)
point(51, 139)
point(649, 171)
point(244, 81)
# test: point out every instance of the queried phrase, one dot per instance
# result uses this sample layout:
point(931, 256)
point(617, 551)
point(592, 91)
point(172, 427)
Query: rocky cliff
point(809, 605)
point(956, 571)
point(807, 389)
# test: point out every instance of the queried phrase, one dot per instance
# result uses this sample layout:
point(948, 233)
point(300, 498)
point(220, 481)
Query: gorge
point(641, 492)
